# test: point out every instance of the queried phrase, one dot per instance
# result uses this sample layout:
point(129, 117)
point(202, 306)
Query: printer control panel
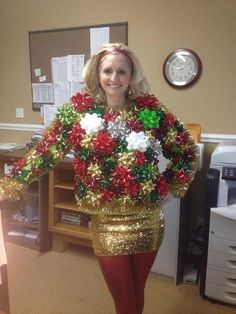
point(229, 173)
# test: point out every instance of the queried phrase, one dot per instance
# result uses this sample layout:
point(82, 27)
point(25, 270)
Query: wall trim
point(216, 138)
point(205, 137)
point(20, 127)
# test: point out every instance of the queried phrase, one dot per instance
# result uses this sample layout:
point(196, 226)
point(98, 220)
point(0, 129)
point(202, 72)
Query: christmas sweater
point(116, 155)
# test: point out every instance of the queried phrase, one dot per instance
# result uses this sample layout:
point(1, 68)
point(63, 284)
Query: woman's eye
point(110, 71)
point(121, 72)
point(107, 71)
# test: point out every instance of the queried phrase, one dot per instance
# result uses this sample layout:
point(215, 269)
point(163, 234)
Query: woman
point(117, 132)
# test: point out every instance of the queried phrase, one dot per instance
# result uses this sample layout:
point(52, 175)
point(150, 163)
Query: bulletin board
point(46, 44)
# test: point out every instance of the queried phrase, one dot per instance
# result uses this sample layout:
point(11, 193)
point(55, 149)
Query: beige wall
point(155, 28)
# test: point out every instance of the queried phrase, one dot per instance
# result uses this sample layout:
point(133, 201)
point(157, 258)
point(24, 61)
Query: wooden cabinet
point(66, 223)
point(26, 222)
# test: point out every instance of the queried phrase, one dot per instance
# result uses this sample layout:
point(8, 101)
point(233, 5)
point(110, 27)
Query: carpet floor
point(71, 283)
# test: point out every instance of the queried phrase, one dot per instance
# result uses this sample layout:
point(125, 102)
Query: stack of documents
point(9, 147)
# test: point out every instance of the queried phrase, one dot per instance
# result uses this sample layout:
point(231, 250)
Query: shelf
point(19, 225)
point(68, 204)
point(72, 230)
point(62, 199)
point(65, 185)
point(22, 240)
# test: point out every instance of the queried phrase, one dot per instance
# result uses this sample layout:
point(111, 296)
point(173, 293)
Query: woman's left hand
point(169, 197)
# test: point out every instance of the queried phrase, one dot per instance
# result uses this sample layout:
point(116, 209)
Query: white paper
point(61, 93)
point(42, 78)
point(49, 113)
point(98, 37)
point(42, 92)
point(31, 235)
point(66, 81)
point(75, 66)
point(75, 87)
point(37, 72)
point(67, 68)
point(10, 146)
point(59, 69)
point(16, 233)
point(8, 169)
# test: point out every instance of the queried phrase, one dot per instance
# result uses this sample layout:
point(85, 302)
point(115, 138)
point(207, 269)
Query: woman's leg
point(118, 274)
point(141, 264)
point(126, 277)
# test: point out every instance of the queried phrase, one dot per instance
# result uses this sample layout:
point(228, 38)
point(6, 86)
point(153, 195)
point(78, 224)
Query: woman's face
point(114, 77)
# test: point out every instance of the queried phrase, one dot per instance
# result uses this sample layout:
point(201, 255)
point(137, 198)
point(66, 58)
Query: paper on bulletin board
point(42, 92)
point(75, 66)
point(98, 37)
point(76, 87)
point(49, 113)
point(59, 69)
point(37, 72)
point(61, 93)
point(67, 68)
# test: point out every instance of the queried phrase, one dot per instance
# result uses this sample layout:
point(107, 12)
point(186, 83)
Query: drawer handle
point(232, 248)
point(232, 295)
point(232, 281)
point(232, 264)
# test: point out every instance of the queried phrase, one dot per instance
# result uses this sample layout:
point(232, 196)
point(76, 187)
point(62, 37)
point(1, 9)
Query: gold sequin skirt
point(127, 234)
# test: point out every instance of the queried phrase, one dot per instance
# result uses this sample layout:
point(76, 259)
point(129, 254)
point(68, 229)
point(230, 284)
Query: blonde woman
point(117, 131)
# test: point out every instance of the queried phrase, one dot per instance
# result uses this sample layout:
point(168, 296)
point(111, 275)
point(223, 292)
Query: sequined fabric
point(11, 188)
point(127, 234)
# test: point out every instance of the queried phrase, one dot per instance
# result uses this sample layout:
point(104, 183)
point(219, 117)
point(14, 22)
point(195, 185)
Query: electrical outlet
point(19, 113)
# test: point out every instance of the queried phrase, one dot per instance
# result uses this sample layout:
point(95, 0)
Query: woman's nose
point(114, 76)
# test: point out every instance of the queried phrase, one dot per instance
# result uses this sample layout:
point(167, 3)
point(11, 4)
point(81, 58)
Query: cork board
point(47, 44)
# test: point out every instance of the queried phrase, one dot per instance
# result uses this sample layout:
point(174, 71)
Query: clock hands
point(181, 68)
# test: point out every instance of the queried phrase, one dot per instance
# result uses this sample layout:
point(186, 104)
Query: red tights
point(126, 278)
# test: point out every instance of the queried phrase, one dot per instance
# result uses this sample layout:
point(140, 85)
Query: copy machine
point(218, 271)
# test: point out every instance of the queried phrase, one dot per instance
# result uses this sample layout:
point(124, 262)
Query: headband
point(119, 50)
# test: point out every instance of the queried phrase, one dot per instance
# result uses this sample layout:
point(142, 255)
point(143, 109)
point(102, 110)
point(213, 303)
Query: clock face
point(181, 68)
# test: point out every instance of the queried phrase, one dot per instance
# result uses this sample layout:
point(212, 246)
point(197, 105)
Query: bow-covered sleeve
point(177, 144)
point(58, 139)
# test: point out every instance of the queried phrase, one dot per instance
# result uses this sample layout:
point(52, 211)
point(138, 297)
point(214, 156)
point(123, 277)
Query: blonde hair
point(138, 85)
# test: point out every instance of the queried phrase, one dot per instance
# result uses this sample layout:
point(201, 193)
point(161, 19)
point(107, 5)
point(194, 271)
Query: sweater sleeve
point(179, 148)
point(44, 157)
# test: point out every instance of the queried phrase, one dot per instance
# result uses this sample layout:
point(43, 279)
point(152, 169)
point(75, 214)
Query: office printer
point(224, 159)
point(218, 271)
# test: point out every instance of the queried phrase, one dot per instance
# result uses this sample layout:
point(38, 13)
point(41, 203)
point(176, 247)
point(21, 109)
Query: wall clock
point(182, 68)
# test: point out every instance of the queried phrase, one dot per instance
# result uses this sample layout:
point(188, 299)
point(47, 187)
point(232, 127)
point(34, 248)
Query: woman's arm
point(174, 141)
point(180, 149)
point(44, 157)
